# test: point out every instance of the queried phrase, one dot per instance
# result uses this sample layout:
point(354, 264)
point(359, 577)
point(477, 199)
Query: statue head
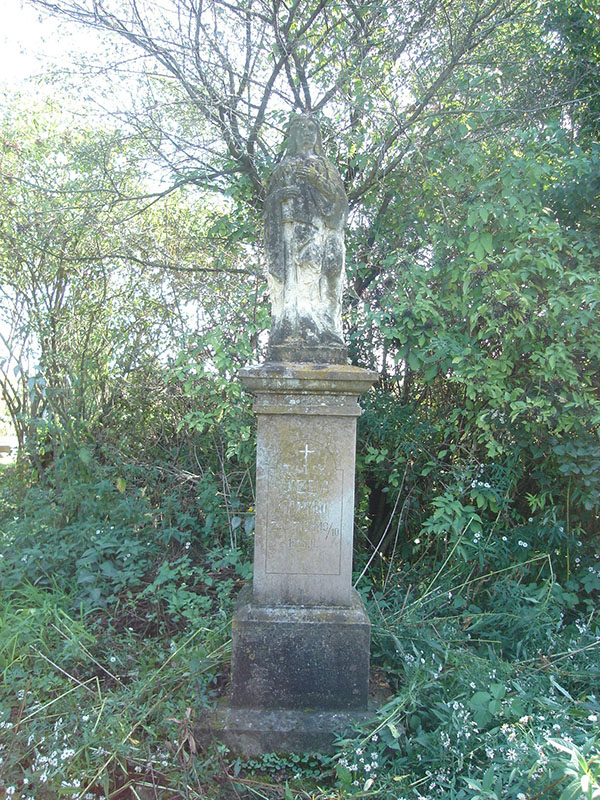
point(304, 136)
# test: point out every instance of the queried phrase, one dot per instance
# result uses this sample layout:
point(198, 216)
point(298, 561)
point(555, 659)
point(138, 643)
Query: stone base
point(251, 732)
point(300, 658)
point(308, 354)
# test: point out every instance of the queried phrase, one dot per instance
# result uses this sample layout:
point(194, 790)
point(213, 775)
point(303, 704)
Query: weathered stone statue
point(305, 214)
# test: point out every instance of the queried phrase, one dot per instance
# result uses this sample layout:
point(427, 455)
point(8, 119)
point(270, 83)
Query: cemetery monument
point(301, 636)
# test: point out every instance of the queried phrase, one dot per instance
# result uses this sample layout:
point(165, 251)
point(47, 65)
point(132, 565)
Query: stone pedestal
point(301, 637)
point(300, 657)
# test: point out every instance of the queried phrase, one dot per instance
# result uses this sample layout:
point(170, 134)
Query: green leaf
point(344, 774)
point(480, 700)
point(393, 730)
point(487, 242)
point(413, 361)
point(85, 455)
point(431, 372)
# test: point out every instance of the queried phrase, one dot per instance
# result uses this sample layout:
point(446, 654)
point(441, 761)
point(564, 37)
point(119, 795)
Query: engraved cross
point(305, 453)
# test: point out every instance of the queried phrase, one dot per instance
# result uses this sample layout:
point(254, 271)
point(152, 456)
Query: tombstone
point(300, 635)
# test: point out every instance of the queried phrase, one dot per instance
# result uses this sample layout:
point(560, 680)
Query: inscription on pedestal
point(304, 513)
point(304, 483)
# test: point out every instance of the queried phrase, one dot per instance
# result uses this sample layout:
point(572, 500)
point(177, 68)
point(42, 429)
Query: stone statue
point(305, 213)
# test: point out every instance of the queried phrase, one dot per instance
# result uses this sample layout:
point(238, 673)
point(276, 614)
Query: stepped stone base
point(251, 732)
point(299, 678)
point(300, 658)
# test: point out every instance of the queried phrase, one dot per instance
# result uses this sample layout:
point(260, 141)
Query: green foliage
point(490, 337)
point(582, 767)
point(466, 136)
point(81, 697)
point(485, 676)
point(577, 58)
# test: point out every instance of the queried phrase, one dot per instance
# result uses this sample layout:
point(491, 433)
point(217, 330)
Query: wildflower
point(374, 738)
point(511, 754)
point(10, 790)
point(85, 717)
point(593, 718)
point(187, 545)
point(367, 768)
point(139, 769)
point(112, 659)
point(359, 751)
point(67, 753)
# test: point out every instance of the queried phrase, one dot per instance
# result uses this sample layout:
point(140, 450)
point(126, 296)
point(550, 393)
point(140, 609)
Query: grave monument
point(301, 636)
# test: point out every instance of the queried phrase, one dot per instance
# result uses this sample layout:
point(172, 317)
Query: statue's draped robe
point(304, 237)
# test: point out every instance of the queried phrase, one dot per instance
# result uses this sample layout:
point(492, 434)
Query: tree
point(448, 129)
point(223, 77)
point(96, 273)
point(576, 26)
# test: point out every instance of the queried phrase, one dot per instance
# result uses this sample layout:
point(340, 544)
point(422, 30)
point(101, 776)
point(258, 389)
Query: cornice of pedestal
point(300, 378)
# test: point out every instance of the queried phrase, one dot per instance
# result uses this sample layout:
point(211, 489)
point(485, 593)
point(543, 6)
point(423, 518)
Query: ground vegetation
point(132, 285)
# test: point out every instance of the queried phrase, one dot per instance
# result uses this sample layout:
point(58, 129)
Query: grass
point(491, 677)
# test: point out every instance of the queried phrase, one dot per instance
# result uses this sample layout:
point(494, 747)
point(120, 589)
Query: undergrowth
point(115, 634)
